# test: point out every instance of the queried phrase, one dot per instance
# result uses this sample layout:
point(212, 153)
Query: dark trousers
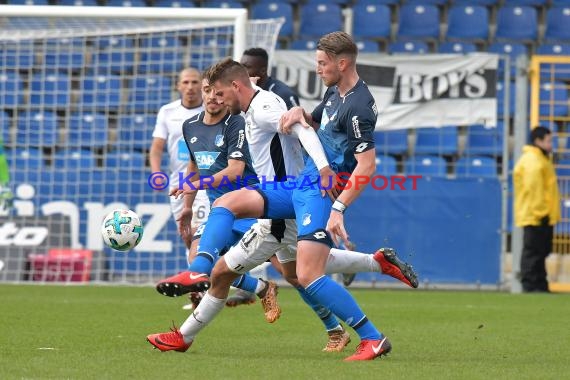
point(537, 244)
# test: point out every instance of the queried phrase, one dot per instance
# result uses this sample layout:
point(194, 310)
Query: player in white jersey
point(275, 157)
point(168, 130)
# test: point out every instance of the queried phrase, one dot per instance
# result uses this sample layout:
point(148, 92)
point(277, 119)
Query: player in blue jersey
point(219, 163)
point(256, 61)
point(305, 200)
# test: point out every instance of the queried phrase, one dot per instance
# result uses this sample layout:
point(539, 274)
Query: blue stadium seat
point(391, 142)
point(126, 3)
point(149, 93)
point(385, 165)
point(481, 140)
point(37, 129)
point(376, 2)
point(11, 89)
point(25, 158)
point(513, 50)
point(87, 130)
point(50, 90)
point(485, 3)
point(64, 54)
point(303, 44)
point(430, 2)
point(27, 22)
point(501, 98)
point(426, 165)
point(27, 2)
point(476, 167)
point(135, 131)
point(117, 55)
point(275, 9)
point(161, 55)
point(5, 125)
point(563, 168)
point(553, 99)
point(222, 4)
point(440, 141)
point(74, 159)
point(174, 4)
point(553, 49)
point(78, 3)
point(408, 47)
point(125, 159)
point(101, 92)
point(340, 2)
point(418, 22)
point(367, 46)
point(532, 3)
point(319, 18)
point(558, 24)
point(456, 48)
point(468, 22)
point(517, 23)
point(18, 56)
point(371, 21)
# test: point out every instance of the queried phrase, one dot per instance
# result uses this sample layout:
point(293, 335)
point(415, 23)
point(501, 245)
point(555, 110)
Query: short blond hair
point(338, 43)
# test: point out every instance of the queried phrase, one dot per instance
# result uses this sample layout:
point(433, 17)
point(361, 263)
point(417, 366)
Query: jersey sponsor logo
point(356, 127)
point(206, 159)
point(236, 154)
point(183, 152)
point(219, 141)
point(241, 139)
point(360, 148)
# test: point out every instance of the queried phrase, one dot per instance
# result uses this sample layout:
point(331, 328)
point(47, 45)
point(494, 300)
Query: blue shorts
point(240, 227)
point(304, 204)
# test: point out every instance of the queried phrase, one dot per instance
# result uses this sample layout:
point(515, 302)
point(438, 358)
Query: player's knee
point(292, 280)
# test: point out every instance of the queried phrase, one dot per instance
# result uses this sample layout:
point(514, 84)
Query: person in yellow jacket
point(537, 207)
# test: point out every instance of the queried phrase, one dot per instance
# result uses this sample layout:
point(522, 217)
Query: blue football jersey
point(346, 127)
point(211, 146)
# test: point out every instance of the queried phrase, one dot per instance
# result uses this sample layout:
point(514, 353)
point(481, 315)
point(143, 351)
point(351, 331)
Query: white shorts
point(200, 208)
point(240, 259)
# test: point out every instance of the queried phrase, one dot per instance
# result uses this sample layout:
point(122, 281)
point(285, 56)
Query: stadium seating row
point(420, 19)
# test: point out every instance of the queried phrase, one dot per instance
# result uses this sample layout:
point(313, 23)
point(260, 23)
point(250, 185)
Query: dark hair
point(338, 43)
point(226, 71)
point(539, 133)
point(259, 53)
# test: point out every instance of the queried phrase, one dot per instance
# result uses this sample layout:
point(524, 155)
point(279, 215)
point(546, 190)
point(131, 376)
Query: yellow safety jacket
point(536, 189)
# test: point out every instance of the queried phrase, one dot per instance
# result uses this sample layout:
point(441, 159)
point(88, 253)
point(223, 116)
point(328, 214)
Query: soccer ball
point(122, 230)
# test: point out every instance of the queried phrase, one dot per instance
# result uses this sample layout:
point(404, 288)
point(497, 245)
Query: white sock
point(206, 311)
point(343, 261)
point(260, 286)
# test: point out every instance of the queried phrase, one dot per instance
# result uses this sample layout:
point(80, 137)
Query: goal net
point(80, 88)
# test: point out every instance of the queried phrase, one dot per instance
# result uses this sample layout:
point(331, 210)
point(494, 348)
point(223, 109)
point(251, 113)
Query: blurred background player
point(168, 130)
point(537, 207)
point(5, 193)
point(256, 61)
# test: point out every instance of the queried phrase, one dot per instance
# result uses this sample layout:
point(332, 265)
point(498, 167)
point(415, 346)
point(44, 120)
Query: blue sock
point(336, 298)
point(217, 232)
point(202, 263)
point(246, 282)
point(326, 316)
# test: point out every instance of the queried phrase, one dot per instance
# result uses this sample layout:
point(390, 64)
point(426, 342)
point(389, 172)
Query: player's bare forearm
point(155, 154)
point(365, 169)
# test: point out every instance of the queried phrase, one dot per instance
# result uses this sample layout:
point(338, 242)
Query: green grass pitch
point(51, 332)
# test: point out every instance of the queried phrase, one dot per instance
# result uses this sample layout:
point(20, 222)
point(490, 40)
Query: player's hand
point(335, 227)
point(176, 192)
point(329, 183)
point(185, 224)
point(290, 118)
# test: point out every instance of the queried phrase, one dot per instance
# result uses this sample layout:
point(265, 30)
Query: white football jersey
point(273, 154)
point(169, 127)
